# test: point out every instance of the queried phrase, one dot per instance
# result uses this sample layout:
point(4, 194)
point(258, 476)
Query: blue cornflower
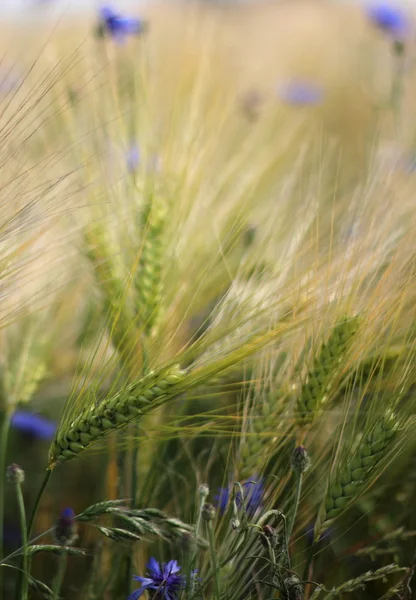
point(119, 26)
point(253, 495)
point(390, 19)
point(35, 425)
point(162, 580)
point(298, 93)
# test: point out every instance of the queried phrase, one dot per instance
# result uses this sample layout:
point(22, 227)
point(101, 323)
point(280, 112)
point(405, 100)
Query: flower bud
point(15, 474)
point(203, 490)
point(269, 536)
point(208, 512)
point(294, 588)
point(300, 461)
point(65, 528)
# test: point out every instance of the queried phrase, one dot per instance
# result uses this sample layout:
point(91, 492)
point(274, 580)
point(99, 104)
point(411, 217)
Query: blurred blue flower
point(133, 157)
point(8, 83)
point(118, 25)
point(34, 425)
point(162, 581)
point(298, 93)
point(390, 19)
point(66, 528)
point(253, 490)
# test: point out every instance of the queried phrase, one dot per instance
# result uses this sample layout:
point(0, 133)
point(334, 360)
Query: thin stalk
point(203, 493)
point(60, 575)
point(134, 470)
point(19, 586)
point(135, 452)
point(308, 568)
point(299, 478)
point(25, 560)
point(4, 436)
point(213, 559)
point(37, 502)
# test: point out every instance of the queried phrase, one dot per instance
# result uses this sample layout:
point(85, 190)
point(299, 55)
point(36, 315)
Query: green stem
point(134, 469)
point(60, 576)
point(19, 586)
point(25, 561)
point(203, 493)
point(37, 502)
point(292, 519)
point(4, 436)
point(213, 559)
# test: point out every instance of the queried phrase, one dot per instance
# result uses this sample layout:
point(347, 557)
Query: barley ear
point(351, 479)
point(326, 367)
point(149, 281)
point(114, 412)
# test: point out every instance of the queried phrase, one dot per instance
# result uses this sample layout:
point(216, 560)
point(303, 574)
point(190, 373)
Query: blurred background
point(310, 90)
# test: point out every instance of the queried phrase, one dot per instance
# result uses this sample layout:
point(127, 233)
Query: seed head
point(208, 512)
point(15, 474)
point(300, 461)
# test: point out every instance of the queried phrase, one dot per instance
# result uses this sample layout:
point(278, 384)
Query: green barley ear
point(149, 277)
point(326, 367)
point(351, 479)
point(87, 419)
point(98, 418)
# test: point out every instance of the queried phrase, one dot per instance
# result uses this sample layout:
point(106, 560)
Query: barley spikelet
point(351, 480)
point(148, 281)
point(112, 413)
point(325, 369)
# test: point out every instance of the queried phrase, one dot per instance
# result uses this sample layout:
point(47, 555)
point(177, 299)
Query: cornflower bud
point(300, 461)
point(15, 474)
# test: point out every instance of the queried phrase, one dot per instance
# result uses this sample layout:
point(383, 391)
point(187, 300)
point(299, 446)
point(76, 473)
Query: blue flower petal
point(154, 567)
point(36, 425)
point(142, 579)
point(300, 92)
point(171, 567)
point(221, 499)
point(136, 594)
point(120, 26)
